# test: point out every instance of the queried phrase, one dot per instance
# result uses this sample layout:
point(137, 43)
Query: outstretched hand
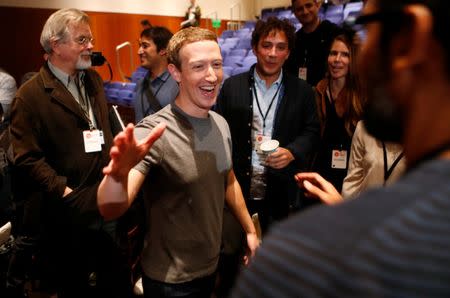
point(126, 152)
point(317, 187)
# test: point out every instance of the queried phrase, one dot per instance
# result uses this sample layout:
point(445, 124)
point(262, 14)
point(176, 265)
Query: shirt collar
point(163, 77)
point(62, 76)
point(261, 84)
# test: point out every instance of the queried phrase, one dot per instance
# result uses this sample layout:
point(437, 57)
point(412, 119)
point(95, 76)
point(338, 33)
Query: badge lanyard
point(388, 172)
point(83, 101)
point(264, 117)
point(145, 111)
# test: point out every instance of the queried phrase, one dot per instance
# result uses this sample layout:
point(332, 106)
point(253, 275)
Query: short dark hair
point(159, 35)
point(264, 28)
point(146, 23)
point(440, 10)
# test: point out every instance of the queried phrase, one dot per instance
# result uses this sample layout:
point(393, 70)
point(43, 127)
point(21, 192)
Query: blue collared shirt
point(165, 90)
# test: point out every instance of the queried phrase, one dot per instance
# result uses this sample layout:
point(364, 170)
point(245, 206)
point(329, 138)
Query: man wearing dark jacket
point(312, 42)
point(61, 137)
point(267, 103)
point(262, 104)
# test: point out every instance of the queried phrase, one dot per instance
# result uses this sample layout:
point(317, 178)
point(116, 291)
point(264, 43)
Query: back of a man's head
point(184, 37)
point(440, 9)
point(159, 35)
point(56, 26)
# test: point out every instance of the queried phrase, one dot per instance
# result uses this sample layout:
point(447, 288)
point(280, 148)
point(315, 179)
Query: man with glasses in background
point(61, 139)
point(394, 241)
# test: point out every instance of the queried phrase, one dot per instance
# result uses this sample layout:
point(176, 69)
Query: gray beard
point(83, 64)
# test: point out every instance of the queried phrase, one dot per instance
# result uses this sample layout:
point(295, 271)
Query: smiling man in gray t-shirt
point(188, 175)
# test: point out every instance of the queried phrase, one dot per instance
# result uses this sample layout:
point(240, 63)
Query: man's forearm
point(112, 197)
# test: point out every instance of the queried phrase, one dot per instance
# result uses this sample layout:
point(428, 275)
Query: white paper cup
point(269, 146)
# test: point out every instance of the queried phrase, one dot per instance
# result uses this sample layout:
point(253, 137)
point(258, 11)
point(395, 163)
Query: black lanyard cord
point(264, 117)
point(388, 172)
point(147, 84)
point(83, 100)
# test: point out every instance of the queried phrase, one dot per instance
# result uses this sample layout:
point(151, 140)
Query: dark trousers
point(89, 263)
point(197, 288)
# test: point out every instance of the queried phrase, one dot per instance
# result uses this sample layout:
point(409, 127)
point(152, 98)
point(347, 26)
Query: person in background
point(391, 241)
point(183, 163)
point(8, 90)
point(262, 104)
point(157, 89)
point(312, 42)
point(146, 24)
point(340, 101)
point(373, 163)
point(61, 138)
point(266, 103)
point(192, 16)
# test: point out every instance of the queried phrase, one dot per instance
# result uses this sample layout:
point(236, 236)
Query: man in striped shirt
point(391, 242)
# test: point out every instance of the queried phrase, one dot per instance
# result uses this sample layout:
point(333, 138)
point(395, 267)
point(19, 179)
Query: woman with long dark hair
point(340, 101)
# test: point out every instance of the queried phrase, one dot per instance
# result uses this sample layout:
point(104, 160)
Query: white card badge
point(92, 141)
point(302, 73)
point(258, 141)
point(339, 159)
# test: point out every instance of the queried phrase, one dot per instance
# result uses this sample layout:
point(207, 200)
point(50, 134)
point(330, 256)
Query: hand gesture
point(126, 152)
point(317, 187)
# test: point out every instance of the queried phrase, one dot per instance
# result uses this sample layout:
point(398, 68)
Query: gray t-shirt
point(184, 194)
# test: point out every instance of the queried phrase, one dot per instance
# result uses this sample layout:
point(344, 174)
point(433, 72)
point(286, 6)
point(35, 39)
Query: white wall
point(249, 8)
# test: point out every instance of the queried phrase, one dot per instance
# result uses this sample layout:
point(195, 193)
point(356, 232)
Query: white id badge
point(92, 141)
point(302, 73)
point(258, 141)
point(339, 159)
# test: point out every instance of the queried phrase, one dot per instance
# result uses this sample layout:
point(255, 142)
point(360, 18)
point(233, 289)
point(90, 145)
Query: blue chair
point(238, 52)
point(125, 98)
point(233, 61)
point(249, 61)
point(250, 24)
point(352, 7)
point(334, 10)
point(337, 19)
point(112, 95)
point(227, 70)
point(244, 44)
point(227, 34)
point(285, 14)
point(231, 41)
point(129, 86)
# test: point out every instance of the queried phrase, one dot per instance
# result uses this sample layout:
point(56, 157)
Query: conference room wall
point(21, 51)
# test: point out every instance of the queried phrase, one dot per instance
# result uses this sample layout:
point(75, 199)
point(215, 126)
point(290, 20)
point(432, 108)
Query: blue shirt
point(164, 88)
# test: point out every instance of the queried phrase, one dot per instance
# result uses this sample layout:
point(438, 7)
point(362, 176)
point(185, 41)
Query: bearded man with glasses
point(61, 137)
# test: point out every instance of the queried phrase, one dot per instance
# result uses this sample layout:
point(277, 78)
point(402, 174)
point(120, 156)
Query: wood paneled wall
point(21, 52)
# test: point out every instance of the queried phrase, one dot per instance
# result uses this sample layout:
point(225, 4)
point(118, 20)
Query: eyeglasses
point(84, 40)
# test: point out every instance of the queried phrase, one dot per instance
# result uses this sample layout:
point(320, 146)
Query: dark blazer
point(296, 127)
point(46, 129)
